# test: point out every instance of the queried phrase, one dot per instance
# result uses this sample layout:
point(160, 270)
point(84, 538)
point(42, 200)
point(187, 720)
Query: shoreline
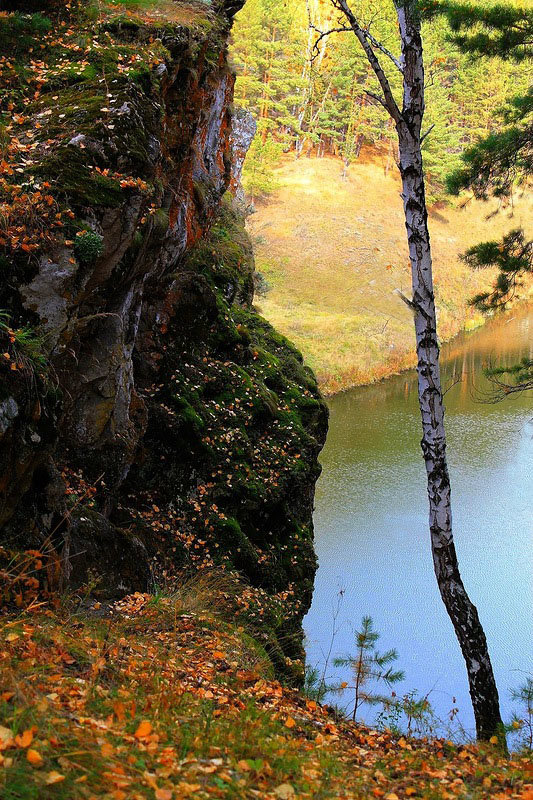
point(523, 307)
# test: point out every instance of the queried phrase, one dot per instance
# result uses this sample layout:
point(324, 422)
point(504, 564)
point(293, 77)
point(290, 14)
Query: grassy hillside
point(333, 252)
point(164, 698)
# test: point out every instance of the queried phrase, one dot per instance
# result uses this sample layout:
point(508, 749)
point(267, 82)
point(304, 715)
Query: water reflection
point(371, 520)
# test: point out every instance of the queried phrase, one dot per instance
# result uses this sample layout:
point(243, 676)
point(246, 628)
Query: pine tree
point(502, 161)
point(313, 99)
point(369, 666)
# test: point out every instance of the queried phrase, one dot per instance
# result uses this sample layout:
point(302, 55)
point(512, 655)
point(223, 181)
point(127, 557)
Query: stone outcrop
point(162, 423)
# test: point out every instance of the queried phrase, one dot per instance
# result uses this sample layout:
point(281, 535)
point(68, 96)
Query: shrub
point(88, 247)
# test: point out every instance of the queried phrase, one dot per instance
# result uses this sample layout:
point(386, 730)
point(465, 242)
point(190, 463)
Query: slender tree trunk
point(462, 612)
point(408, 120)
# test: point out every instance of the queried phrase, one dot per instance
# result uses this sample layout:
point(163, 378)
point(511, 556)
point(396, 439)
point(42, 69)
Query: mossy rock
point(72, 177)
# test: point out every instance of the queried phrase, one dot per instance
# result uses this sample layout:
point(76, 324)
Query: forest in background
point(310, 97)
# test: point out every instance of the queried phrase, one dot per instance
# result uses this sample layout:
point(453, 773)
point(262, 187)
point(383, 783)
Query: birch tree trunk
point(461, 610)
point(408, 121)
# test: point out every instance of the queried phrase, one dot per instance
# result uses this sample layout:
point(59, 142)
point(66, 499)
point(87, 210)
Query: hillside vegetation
point(333, 253)
point(163, 698)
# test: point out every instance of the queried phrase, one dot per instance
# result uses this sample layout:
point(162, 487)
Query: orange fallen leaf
point(24, 739)
point(163, 794)
point(188, 788)
point(54, 777)
point(107, 749)
point(144, 729)
point(289, 722)
point(34, 758)
point(119, 710)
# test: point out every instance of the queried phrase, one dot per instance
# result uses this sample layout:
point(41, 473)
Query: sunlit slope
point(333, 251)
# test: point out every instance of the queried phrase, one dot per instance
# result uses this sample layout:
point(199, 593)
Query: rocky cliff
point(150, 419)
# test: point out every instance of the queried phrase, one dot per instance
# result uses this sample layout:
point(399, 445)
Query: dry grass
point(334, 251)
point(154, 698)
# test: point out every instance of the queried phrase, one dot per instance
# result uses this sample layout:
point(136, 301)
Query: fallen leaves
point(144, 730)
point(24, 739)
point(284, 791)
point(34, 758)
point(169, 715)
point(6, 737)
point(54, 777)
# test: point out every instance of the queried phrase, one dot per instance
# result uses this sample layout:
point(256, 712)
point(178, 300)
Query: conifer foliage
point(310, 96)
point(501, 163)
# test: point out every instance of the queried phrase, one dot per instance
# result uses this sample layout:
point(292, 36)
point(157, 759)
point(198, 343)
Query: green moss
point(225, 256)
point(188, 416)
point(229, 536)
point(66, 169)
point(18, 32)
point(160, 224)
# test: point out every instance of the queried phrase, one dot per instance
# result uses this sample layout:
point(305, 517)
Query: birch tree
point(407, 114)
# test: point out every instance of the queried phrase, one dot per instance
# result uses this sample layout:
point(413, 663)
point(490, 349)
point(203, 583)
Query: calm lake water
point(371, 522)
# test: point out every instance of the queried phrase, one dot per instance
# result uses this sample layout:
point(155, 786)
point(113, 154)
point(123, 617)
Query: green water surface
point(371, 522)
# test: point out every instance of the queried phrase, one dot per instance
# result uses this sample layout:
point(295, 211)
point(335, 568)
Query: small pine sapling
point(369, 667)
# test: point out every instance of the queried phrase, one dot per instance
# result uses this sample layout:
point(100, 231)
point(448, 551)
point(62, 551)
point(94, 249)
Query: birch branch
point(390, 102)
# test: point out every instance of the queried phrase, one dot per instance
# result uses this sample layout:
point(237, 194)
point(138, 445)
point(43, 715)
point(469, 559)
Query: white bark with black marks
point(408, 120)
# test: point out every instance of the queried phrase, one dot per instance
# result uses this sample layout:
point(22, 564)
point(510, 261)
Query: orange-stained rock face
point(162, 423)
point(171, 136)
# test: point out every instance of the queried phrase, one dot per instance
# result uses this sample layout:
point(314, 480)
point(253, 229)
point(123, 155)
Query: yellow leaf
point(34, 758)
point(402, 743)
point(494, 740)
point(391, 796)
point(6, 737)
point(24, 739)
point(11, 637)
point(284, 791)
point(144, 729)
point(54, 777)
point(150, 779)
